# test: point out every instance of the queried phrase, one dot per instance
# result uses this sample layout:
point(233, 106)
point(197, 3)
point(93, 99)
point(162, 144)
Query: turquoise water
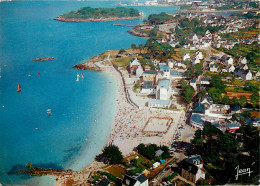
point(82, 111)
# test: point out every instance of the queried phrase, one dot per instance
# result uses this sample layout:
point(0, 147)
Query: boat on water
point(82, 77)
point(49, 111)
point(19, 88)
point(44, 59)
point(78, 76)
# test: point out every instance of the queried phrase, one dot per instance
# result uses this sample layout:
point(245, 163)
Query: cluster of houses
point(240, 68)
point(136, 180)
point(206, 113)
point(229, 25)
point(157, 83)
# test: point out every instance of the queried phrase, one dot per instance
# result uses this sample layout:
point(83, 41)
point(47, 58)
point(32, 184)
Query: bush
point(112, 153)
point(121, 51)
point(169, 178)
point(109, 176)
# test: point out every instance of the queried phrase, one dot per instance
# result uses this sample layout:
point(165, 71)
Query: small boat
point(29, 75)
point(19, 88)
point(38, 73)
point(82, 77)
point(78, 76)
point(49, 111)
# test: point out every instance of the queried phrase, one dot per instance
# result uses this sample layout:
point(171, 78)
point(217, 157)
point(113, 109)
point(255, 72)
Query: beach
point(131, 125)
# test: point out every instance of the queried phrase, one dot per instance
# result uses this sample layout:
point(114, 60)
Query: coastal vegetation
point(148, 151)
point(248, 16)
point(110, 154)
point(155, 19)
point(243, 33)
point(222, 153)
point(98, 13)
point(251, 52)
point(193, 26)
point(188, 93)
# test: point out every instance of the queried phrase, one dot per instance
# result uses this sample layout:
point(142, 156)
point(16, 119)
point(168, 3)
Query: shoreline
point(127, 126)
point(219, 11)
point(78, 20)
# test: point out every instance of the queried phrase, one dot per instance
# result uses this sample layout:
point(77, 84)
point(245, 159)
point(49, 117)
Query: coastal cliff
point(62, 18)
point(87, 66)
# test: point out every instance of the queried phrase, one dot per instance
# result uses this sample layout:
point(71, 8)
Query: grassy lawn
point(116, 170)
point(251, 52)
point(122, 62)
point(243, 33)
point(236, 89)
point(180, 52)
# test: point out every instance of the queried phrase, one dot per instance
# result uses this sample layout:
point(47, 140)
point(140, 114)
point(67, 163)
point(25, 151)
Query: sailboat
point(19, 88)
point(82, 77)
point(78, 76)
point(49, 111)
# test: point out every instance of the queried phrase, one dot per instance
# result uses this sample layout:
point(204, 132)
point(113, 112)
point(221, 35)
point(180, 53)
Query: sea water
point(82, 111)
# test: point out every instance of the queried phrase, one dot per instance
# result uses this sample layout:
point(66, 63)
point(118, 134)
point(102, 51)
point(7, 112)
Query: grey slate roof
point(132, 180)
point(103, 182)
point(199, 108)
point(142, 178)
point(197, 119)
point(194, 159)
point(188, 167)
point(151, 72)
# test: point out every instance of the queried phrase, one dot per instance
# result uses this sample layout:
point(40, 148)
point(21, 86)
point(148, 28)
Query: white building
point(193, 83)
point(213, 68)
point(231, 69)
point(195, 61)
point(139, 71)
point(199, 55)
point(164, 90)
point(133, 62)
point(186, 57)
point(242, 60)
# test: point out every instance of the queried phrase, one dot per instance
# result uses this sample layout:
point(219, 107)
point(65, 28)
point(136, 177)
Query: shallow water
point(82, 111)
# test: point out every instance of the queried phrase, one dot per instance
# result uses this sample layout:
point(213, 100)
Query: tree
point(121, 51)
point(215, 94)
point(228, 145)
point(242, 101)
point(235, 100)
point(194, 71)
point(29, 165)
point(133, 46)
point(113, 154)
point(251, 87)
point(225, 100)
point(255, 99)
point(140, 47)
point(159, 18)
point(183, 83)
point(166, 153)
point(153, 32)
point(188, 93)
point(217, 83)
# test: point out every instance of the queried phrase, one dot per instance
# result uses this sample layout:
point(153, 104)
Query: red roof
point(147, 67)
point(238, 95)
point(134, 67)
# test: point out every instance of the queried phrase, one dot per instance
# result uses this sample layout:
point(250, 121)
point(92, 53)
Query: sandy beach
point(131, 125)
